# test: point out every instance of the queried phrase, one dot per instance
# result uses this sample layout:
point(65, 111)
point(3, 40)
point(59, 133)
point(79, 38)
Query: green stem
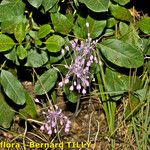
point(103, 98)
point(54, 96)
point(109, 107)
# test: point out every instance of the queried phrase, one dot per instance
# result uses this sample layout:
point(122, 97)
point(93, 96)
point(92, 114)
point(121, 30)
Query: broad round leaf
point(96, 5)
point(36, 59)
point(6, 43)
point(12, 56)
point(72, 96)
point(46, 82)
point(95, 27)
point(29, 110)
point(116, 83)
point(13, 88)
point(6, 112)
point(123, 28)
point(44, 31)
point(19, 32)
point(121, 53)
point(121, 13)
point(54, 43)
point(129, 34)
point(122, 2)
point(21, 52)
point(35, 3)
point(144, 25)
point(55, 58)
point(48, 4)
point(111, 22)
point(8, 26)
point(61, 23)
point(80, 32)
point(10, 9)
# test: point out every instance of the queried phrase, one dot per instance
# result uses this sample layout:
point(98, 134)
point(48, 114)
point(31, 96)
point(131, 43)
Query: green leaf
point(122, 2)
point(33, 34)
point(135, 83)
point(38, 42)
point(6, 113)
point(20, 32)
point(46, 82)
point(81, 21)
point(55, 58)
point(79, 32)
point(10, 9)
point(146, 45)
point(144, 25)
point(121, 13)
point(54, 43)
point(55, 8)
point(116, 83)
point(94, 68)
point(29, 109)
point(70, 95)
point(129, 34)
point(111, 22)
point(35, 3)
point(95, 27)
point(123, 28)
point(12, 56)
point(142, 94)
point(36, 59)
point(48, 4)
point(80, 29)
point(132, 107)
point(44, 31)
point(61, 23)
point(148, 66)
point(8, 26)
point(109, 32)
point(6, 43)
point(12, 87)
point(121, 53)
point(96, 5)
point(21, 52)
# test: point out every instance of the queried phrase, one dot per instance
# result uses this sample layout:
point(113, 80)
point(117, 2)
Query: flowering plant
point(79, 71)
point(103, 50)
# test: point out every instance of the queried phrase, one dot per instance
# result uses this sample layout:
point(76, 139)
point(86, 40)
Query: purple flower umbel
point(53, 119)
point(83, 57)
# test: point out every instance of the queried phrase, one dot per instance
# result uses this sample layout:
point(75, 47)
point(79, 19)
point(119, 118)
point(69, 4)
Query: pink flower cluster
point(53, 119)
point(79, 69)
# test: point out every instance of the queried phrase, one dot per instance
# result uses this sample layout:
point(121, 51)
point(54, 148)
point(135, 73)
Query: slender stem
point(103, 98)
point(109, 107)
point(2, 65)
point(50, 102)
point(77, 107)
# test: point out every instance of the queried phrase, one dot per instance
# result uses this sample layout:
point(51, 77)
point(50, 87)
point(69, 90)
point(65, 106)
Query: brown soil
point(89, 125)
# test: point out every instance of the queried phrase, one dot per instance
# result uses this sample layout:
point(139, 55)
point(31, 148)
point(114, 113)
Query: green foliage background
point(32, 33)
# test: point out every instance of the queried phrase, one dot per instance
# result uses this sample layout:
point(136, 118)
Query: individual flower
point(78, 87)
point(37, 100)
point(83, 91)
point(66, 80)
point(87, 24)
point(60, 84)
point(71, 88)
